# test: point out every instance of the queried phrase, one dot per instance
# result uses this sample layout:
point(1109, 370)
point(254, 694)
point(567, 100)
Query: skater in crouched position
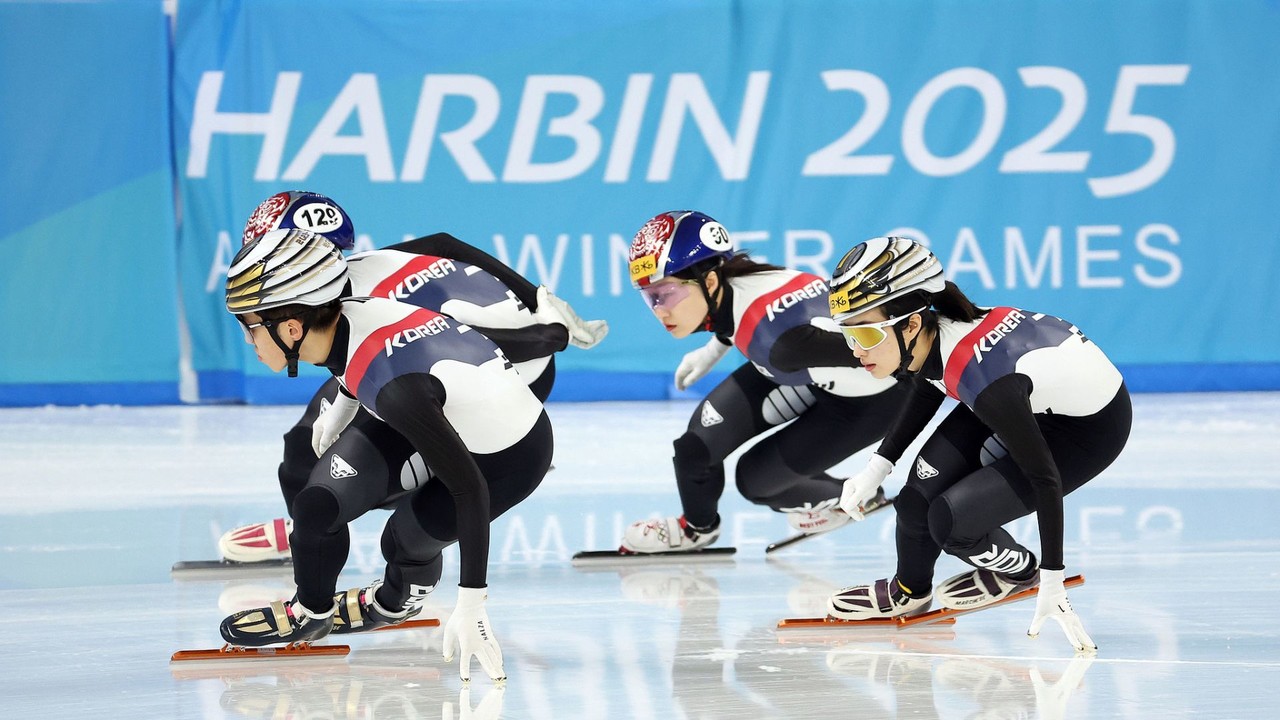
point(433, 387)
point(799, 374)
point(1041, 412)
point(438, 272)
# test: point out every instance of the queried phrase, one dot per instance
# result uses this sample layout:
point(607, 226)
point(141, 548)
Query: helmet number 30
point(715, 237)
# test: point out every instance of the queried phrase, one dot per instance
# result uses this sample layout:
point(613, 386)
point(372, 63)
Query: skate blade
point(616, 557)
point(933, 617)
point(787, 542)
point(411, 625)
point(892, 623)
point(224, 568)
point(234, 653)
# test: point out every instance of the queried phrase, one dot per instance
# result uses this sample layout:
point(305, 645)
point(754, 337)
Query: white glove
point(696, 364)
point(468, 629)
point(1051, 602)
point(331, 422)
point(862, 487)
point(555, 311)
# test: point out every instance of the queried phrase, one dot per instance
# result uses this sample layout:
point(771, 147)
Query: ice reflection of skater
point(1033, 390)
point(799, 376)
point(1003, 690)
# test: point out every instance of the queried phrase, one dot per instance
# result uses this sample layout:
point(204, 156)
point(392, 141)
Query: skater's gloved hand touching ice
point(1052, 602)
point(697, 362)
point(468, 629)
point(330, 423)
point(862, 487)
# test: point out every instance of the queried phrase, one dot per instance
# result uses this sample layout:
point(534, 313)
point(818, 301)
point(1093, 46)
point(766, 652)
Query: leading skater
point(798, 372)
point(1042, 411)
point(431, 386)
point(438, 272)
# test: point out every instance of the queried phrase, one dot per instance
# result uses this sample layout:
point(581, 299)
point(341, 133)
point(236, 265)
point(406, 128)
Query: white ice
point(1178, 541)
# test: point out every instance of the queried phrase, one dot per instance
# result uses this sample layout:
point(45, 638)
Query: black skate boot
point(358, 611)
point(280, 622)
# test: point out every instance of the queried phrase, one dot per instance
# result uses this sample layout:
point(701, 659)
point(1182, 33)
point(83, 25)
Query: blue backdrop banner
point(86, 205)
point(1111, 162)
point(1103, 161)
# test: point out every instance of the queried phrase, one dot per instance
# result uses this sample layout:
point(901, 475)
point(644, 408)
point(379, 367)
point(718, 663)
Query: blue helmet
point(304, 211)
point(675, 241)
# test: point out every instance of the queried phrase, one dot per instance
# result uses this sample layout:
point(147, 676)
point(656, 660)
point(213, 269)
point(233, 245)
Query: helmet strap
point(291, 353)
point(906, 350)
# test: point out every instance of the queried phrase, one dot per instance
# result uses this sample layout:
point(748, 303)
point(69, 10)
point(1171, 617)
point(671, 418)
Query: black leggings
point(787, 469)
point(959, 493)
point(372, 466)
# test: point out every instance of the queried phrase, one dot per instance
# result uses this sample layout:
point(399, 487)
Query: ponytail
point(950, 302)
point(954, 304)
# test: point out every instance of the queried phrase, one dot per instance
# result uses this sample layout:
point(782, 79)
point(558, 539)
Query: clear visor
point(248, 327)
point(666, 295)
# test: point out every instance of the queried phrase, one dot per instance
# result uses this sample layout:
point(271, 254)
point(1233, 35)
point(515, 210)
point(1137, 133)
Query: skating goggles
point(667, 295)
point(870, 335)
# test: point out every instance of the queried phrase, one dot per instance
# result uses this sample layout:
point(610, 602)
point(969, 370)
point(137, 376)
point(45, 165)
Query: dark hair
point(311, 316)
point(738, 265)
point(950, 302)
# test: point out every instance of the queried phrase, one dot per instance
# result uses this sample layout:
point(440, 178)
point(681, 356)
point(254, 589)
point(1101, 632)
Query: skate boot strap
point(294, 608)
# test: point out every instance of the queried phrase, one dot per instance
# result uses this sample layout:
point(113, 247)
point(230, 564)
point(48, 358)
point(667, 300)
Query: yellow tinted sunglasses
point(869, 335)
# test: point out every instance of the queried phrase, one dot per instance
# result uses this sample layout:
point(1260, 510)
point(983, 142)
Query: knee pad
point(941, 523)
point(913, 511)
point(692, 458)
point(405, 541)
point(315, 510)
point(762, 473)
point(297, 463)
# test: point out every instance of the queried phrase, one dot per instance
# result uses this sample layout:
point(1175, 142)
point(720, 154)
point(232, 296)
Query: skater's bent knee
point(761, 473)
point(691, 456)
point(912, 508)
point(941, 522)
point(315, 509)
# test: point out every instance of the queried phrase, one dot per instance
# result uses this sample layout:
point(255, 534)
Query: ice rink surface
point(1178, 542)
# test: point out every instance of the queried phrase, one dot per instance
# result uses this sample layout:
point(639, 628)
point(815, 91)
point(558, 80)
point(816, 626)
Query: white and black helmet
point(879, 270)
point(285, 267)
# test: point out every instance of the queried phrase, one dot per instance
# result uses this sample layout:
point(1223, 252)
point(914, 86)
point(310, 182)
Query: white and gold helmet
point(285, 267)
point(879, 270)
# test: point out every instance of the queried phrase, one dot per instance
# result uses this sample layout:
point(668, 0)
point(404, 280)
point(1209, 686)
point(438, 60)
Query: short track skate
point(933, 617)
point(788, 542)
point(292, 650)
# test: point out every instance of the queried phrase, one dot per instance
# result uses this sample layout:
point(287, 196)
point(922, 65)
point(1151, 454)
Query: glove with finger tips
point(332, 421)
point(698, 362)
point(862, 487)
point(468, 631)
point(553, 310)
point(1052, 602)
